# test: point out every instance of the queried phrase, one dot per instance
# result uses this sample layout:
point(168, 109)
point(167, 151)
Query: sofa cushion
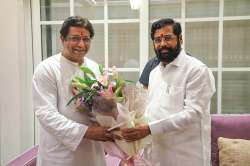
point(234, 152)
point(228, 126)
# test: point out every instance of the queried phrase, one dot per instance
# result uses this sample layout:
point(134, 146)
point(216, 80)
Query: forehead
point(168, 29)
point(78, 31)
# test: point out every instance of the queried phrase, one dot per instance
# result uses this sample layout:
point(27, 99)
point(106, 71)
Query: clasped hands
point(99, 133)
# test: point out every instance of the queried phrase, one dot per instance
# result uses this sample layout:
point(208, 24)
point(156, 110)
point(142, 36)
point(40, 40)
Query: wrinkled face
point(167, 45)
point(76, 44)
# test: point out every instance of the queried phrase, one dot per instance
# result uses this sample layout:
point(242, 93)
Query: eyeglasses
point(166, 38)
point(78, 39)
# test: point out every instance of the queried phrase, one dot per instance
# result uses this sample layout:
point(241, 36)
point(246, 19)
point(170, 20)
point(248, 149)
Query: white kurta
point(179, 108)
point(62, 129)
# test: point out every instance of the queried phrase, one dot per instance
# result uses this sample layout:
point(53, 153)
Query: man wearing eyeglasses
point(180, 91)
point(67, 137)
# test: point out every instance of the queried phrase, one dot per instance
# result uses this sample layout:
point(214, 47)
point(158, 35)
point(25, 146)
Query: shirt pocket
point(172, 98)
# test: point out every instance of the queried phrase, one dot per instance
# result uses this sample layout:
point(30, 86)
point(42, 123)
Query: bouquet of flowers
point(115, 103)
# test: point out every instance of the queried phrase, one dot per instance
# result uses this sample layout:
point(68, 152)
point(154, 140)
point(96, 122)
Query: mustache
point(165, 48)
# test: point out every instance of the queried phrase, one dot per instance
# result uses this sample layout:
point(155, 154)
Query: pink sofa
point(28, 158)
point(229, 126)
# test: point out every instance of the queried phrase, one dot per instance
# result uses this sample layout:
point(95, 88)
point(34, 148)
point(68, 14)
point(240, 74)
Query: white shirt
point(179, 108)
point(62, 128)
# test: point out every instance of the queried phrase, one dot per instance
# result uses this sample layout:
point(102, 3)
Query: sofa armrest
point(28, 158)
point(228, 126)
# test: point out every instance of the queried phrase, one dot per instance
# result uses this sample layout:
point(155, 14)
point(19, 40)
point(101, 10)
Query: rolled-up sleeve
point(69, 132)
point(199, 90)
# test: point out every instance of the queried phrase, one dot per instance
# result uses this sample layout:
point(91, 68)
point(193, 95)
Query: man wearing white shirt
point(68, 137)
point(180, 91)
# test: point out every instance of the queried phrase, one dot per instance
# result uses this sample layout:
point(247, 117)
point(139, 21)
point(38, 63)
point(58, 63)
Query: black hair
point(76, 21)
point(162, 23)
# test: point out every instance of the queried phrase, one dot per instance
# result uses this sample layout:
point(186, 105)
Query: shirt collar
point(73, 63)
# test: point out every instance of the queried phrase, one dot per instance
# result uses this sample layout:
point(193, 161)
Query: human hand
point(99, 133)
point(136, 133)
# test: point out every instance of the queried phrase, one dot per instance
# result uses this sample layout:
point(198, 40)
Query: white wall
point(16, 116)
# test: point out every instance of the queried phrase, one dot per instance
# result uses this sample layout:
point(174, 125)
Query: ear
point(180, 39)
point(62, 38)
point(154, 45)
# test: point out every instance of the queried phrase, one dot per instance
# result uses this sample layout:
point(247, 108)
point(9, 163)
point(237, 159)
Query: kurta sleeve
point(45, 93)
point(199, 90)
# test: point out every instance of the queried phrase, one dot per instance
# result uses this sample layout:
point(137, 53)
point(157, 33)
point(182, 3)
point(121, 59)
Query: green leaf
point(120, 83)
point(119, 99)
point(86, 81)
point(87, 71)
point(129, 81)
point(77, 96)
point(90, 82)
point(101, 68)
point(118, 91)
point(86, 77)
point(77, 78)
point(81, 85)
